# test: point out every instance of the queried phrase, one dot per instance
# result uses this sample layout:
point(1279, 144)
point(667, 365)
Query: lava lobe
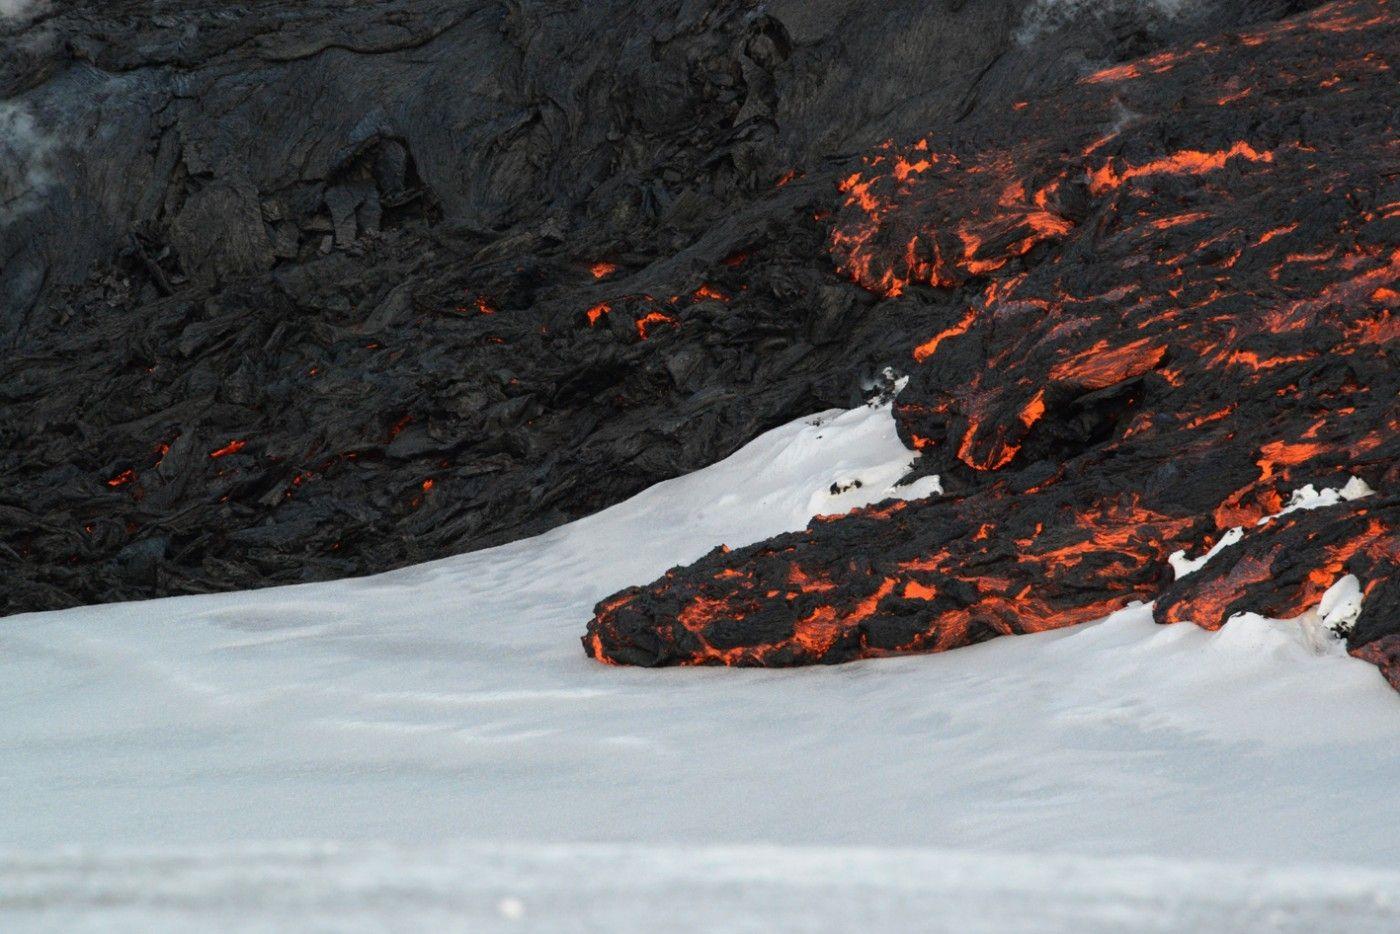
point(1141, 312)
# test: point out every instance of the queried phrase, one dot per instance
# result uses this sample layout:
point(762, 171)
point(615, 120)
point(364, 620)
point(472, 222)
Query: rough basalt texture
point(291, 291)
point(1138, 312)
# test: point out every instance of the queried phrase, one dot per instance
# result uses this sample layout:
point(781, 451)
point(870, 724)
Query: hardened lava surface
point(1142, 312)
point(295, 291)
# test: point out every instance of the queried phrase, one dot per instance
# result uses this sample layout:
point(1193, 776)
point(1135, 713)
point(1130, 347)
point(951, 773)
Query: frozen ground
point(431, 745)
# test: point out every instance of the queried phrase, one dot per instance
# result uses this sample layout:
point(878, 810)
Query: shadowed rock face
point(1138, 312)
point(294, 291)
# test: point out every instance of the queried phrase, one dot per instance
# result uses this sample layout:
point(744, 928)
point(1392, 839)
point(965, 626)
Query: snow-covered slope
point(647, 889)
point(441, 724)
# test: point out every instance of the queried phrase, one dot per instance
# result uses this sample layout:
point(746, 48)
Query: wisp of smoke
point(24, 150)
point(22, 9)
point(1044, 16)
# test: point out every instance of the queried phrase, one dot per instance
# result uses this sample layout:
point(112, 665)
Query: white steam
point(23, 10)
point(24, 160)
point(1044, 16)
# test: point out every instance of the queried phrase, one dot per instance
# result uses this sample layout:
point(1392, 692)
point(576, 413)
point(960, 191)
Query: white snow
point(430, 749)
point(1341, 604)
point(1305, 497)
point(1183, 566)
point(475, 888)
point(1310, 497)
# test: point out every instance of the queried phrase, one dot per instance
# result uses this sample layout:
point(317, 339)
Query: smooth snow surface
point(159, 761)
point(660, 890)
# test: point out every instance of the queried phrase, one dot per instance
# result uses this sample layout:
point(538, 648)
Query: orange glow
point(978, 244)
point(1208, 609)
point(597, 311)
point(1148, 306)
point(650, 320)
point(913, 590)
point(1101, 366)
point(1276, 232)
point(1033, 409)
point(1227, 99)
point(233, 447)
point(598, 653)
point(1215, 416)
point(1252, 360)
point(1187, 161)
point(930, 347)
point(1167, 223)
point(123, 478)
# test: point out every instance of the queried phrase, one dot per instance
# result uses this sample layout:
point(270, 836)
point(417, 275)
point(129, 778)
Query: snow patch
point(1318, 631)
point(1306, 497)
point(1183, 566)
point(1322, 630)
point(1341, 605)
point(451, 704)
point(1309, 497)
point(484, 888)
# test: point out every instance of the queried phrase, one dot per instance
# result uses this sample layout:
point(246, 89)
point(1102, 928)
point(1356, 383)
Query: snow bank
point(566, 888)
point(449, 705)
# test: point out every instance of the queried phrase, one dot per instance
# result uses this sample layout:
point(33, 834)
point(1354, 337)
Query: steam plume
point(24, 150)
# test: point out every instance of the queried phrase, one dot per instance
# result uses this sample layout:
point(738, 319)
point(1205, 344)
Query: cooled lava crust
point(1168, 297)
point(297, 291)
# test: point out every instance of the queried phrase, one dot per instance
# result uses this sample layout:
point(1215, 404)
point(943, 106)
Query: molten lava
point(123, 478)
point(233, 447)
point(1128, 335)
point(650, 320)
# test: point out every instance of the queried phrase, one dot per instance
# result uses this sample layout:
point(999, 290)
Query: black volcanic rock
point(294, 291)
point(1138, 312)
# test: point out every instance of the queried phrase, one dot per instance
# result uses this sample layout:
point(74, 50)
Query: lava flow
point(1141, 313)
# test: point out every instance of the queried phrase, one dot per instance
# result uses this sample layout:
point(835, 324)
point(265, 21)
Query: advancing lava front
point(1176, 300)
